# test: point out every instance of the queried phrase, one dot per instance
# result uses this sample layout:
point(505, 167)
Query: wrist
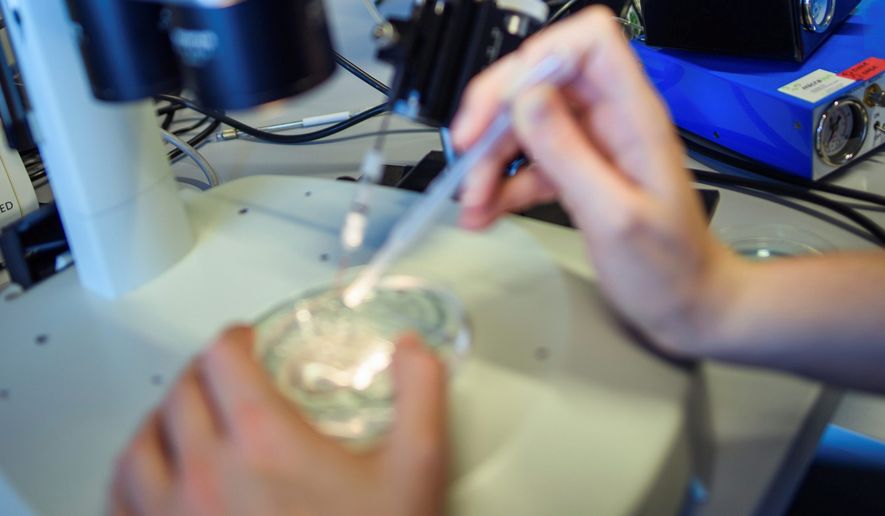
point(719, 295)
point(700, 325)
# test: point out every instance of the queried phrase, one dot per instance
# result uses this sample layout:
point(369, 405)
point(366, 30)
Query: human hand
point(605, 147)
point(225, 442)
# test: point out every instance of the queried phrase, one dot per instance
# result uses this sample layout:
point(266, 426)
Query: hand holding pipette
point(558, 68)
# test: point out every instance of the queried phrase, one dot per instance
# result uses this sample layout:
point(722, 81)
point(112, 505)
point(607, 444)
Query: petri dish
point(333, 361)
point(773, 241)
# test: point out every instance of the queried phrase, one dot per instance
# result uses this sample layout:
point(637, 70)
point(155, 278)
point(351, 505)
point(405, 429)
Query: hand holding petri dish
point(334, 361)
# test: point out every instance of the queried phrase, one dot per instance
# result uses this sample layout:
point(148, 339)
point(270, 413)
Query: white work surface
point(69, 402)
point(547, 360)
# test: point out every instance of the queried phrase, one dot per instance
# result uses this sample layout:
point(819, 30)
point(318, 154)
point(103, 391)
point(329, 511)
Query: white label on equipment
point(9, 210)
point(816, 86)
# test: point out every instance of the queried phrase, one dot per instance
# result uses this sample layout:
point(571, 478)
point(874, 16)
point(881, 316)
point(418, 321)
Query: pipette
point(557, 68)
point(356, 221)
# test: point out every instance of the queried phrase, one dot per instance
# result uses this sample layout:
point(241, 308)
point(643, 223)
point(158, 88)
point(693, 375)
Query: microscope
point(90, 68)
point(96, 132)
point(159, 272)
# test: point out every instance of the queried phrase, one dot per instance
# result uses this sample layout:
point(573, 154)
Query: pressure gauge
point(841, 131)
point(817, 15)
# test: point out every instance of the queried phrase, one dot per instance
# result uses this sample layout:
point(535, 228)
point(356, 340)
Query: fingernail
point(407, 344)
point(474, 219)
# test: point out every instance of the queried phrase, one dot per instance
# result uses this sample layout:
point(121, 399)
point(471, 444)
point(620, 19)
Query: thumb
point(420, 383)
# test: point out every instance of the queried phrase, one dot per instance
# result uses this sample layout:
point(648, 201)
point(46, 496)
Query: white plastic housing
point(17, 196)
point(112, 182)
point(534, 8)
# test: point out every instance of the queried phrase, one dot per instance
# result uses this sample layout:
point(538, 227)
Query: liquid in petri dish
point(334, 361)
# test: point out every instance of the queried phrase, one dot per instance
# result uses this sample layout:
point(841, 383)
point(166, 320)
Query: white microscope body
point(119, 204)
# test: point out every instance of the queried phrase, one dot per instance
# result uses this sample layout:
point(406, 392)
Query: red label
point(865, 70)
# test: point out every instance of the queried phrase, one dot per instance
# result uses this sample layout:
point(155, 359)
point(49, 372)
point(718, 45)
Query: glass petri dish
point(772, 241)
point(333, 361)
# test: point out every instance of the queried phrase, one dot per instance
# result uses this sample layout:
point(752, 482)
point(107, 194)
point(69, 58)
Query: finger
point(527, 188)
point(611, 70)
point(241, 392)
point(625, 111)
point(117, 503)
point(419, 379)
point(482, 100)
point(610, 73)
point(187, 418)
point(476, 218)
point(144, 477)
point(551, 136)
point(482, 183)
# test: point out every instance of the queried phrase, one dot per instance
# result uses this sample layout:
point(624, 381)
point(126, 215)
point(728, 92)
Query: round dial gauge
point(841, 131)
point(817, 15)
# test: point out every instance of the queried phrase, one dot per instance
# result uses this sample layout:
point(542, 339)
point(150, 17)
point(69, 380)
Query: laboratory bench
point(76, 372)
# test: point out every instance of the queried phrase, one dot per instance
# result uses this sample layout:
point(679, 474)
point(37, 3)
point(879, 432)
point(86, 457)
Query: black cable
point(162, 111)
point(750, 166)
point(54, 247)
point(197, 139)
point(717, 179)
point(168, 118)
point(361, 74)
point(562, 11)
point(372, 134)
point(283, 139)
point(193, 182)
point(724, 180)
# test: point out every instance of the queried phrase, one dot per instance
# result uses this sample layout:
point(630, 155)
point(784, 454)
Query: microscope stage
point(556, 411)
